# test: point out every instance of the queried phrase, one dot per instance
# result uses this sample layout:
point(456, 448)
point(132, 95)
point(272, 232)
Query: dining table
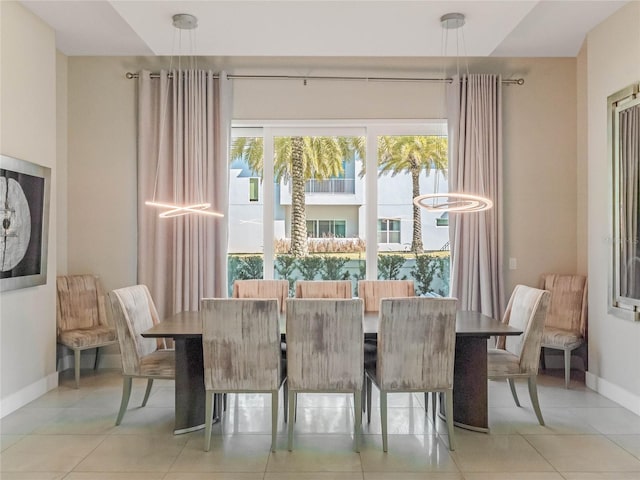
point(470, 388)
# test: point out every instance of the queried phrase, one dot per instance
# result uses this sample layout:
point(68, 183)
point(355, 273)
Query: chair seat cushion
point(161, 363)
point(560, 338)
point(501, 363)
point(87, 337)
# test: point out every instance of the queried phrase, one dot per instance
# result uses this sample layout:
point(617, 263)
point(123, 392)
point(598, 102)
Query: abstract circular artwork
point(15, 231)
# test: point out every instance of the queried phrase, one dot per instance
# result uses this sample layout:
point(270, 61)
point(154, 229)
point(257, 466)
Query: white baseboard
point(28, 394)
point(613, 392)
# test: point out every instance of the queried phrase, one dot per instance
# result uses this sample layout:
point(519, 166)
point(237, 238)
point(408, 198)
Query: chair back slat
point(241, 344)
point(80, 302)
point(373, 291)
point(325, 350)
point(263, 289)
point(527, 310)
point(133, 312)
point(416, 343)
point(323, 289)
point(568, 306)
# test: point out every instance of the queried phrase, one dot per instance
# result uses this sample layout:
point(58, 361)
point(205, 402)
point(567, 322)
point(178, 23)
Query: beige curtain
point(474, 111)
point(629, 142)
point(183, 144)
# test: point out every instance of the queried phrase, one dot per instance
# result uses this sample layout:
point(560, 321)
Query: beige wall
point(61, 162)
point(612, 64)
point(539, 145)
point(28, 132)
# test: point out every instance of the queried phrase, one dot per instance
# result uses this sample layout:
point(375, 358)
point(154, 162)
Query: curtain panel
point(474, 112)
point(629, 183)
point(183, 145)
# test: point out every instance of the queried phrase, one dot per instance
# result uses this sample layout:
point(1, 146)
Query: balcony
point(332, 185)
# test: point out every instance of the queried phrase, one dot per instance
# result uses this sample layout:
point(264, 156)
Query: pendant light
point(458, 202)
point(181, 21)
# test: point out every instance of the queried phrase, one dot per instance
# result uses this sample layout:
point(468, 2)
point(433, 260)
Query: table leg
point(190, 392)
point(470, 390)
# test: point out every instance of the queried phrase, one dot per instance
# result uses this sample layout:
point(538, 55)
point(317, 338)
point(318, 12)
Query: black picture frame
point(24, 228)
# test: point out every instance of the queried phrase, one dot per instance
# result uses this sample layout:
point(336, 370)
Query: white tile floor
point(70, 434)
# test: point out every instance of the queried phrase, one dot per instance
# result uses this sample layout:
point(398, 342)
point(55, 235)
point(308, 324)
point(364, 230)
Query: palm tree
point(412, 153)
point(299, 159)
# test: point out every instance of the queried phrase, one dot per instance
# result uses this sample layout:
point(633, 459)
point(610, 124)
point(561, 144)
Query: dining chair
point(81, 317)
point(325, 352)
point(133, 312)
point(518, 356)
point(372, 292)
point(263, 289)
point(566, 325)
point(241, 353)
point(416, 350)
point(323, 289)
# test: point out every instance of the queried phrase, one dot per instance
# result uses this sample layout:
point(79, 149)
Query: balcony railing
point(332, 185)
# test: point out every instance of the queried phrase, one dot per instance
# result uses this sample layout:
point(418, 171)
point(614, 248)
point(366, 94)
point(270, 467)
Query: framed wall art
point(24, 232)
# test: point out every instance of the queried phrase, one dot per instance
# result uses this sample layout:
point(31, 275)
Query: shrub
point(389, 267)
point(427, 267)
point(249, 267)
point(310, 267)
point(285, 265)
point(333, 268)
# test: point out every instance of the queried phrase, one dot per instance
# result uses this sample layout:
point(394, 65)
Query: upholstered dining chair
point(566, 325)
point(263, 289)
point(372, 292)
point(323, 289)
point(81, 317)
point(518, 356)
point(133, 312)
point(241, 353)
point(416, 350)
point(325, 352)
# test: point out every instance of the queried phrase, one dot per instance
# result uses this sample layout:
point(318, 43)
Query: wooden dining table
point(470, 390)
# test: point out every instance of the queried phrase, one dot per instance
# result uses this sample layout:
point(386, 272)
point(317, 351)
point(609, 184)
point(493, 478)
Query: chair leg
point(543, 360)
point(76, 361)
point(512, 386)
point(95, 364)
point(274, 419)
point(434, 400)
point(357, 400)
point(292, 413)
point(383, 418)
point(567, 368)
point(126, 394)
point(285, 400)
point(533, 393)
point(208, 419)
point(426, 402)
point(449, 409)
point(224, 402)
point(368, 389)
point(147, 392)
point(364, 392)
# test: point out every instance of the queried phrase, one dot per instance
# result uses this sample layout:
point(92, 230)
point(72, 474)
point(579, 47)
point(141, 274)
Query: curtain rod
point(515, 81)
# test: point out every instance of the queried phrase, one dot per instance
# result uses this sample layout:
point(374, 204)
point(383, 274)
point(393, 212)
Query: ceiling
point(380, 28)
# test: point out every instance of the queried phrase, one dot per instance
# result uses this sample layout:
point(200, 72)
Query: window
point(253, 189)
point(388, 230)
point(326, 228)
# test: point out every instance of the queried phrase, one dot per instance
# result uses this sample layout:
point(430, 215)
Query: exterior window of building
point(326, 228)
point(388, 230)
point(253, 189)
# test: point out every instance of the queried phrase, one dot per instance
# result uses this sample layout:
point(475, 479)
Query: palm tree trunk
point(298, 214)
point(416, 242)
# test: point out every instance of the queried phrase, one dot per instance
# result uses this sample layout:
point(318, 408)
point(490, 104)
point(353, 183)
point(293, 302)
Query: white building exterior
point(335, 206)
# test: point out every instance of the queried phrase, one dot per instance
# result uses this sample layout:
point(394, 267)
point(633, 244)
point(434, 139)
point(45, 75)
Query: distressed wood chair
point(241, 353)
point(81, 317)
point(416, 350)
point(133, 312)
point(372, 292)
point(263, 289)
point(518, 356)
point(325, 352)
point(323, 289)
point(566, 325)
